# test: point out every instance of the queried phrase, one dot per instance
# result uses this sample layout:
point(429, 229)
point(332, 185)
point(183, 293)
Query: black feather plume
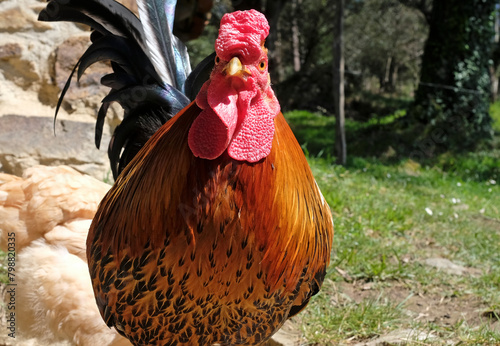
point(137, 80)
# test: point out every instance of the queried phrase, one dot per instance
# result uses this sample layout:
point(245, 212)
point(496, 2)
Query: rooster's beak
point(234, 68)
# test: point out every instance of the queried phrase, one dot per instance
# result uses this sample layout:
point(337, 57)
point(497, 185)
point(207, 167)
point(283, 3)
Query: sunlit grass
point(384, 231)
point(392, 216)
point(334, 321)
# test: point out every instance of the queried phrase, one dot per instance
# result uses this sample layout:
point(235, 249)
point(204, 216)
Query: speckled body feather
point(185, 250)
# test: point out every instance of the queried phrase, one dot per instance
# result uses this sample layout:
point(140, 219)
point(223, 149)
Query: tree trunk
point(452, 99)
point(494, 84)
point(493, 72)
point(387, 76)
point(394, 76)
point(243, 5)
point(277, 57)
point(272, 11)
point(338, 84)
point(295, 37)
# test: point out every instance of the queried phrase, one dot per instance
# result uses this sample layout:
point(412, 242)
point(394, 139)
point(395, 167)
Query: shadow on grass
point(379, 137)
point(390, 140)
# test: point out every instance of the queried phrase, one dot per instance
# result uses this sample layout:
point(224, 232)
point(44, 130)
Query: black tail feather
point(148, 102)
point(117, 80)
point(99, 125)
point(106, 16)
point(200, 74)
point(131, 134)
point(64, 90)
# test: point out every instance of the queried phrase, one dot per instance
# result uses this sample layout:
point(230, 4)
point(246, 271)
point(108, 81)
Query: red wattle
point(208, 136)
point(213, 129)
point(240, 121)
point(253, 140)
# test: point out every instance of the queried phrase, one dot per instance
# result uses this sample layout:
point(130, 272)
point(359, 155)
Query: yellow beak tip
point(234, 66)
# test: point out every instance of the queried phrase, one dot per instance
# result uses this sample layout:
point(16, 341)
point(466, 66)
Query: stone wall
point(36, 59)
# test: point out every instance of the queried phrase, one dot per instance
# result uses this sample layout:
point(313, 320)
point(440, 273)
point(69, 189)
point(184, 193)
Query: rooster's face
point(238, 103)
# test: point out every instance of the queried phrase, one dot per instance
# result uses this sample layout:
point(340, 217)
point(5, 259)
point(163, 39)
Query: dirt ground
point(428, 307)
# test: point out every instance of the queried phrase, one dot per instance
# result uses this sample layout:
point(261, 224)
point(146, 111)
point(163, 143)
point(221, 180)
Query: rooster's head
point(238, 103)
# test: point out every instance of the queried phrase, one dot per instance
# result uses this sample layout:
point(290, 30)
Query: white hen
point(50, 210)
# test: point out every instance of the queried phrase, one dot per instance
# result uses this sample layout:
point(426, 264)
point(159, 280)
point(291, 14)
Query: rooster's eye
point(262, 65)
point(217, 59)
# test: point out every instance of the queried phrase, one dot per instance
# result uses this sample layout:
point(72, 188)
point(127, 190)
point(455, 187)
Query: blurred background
point(405, 78)
point(394, 103)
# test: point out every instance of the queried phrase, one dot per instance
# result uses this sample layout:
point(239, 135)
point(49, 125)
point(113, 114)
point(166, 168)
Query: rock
point(9, 51)
point(450, 267)
point(401, 337)
point(36, 58)
point(88, 92)
point(26, 46)
point(19, 70)
point(16, 19)
point(27, 141)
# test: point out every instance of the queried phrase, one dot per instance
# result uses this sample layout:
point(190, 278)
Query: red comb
point(242, 33)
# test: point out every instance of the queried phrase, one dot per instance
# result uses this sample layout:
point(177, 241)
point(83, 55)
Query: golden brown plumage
point(215, 231)
point(193, 251)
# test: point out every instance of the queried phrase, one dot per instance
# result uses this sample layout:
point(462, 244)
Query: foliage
point(311, 86)
point(453, 96)
point(203, 46)
point(424, 6)
point(383, 43)
point(366, 106)
point(384, 39)
point(387, 139)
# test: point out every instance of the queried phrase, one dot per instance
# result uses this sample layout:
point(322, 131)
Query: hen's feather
point(43, 200)
point(50, 210)
point(54, 299)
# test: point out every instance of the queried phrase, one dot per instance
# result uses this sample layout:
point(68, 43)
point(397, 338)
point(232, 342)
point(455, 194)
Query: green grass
point(349, 319)
point(495, 115)
point(384, 232)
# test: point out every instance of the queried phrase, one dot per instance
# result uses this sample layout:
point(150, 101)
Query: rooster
point(215, 231)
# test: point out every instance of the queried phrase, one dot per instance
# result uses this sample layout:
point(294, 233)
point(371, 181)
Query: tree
point(310, 52)
point(423, 6)
point(272, 11)
point(384, 43)
point(452, 99)
point(338, 84)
